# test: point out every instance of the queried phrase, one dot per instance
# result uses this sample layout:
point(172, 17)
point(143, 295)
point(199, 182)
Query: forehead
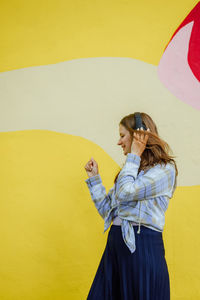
point(122, 129)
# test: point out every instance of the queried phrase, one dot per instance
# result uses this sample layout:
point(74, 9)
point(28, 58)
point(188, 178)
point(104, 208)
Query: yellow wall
point(44, 32)
point(51, 235)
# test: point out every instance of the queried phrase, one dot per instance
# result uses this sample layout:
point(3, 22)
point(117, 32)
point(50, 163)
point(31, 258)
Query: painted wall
point(69, 72)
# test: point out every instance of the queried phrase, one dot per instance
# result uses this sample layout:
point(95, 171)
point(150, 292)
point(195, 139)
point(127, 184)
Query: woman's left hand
point(139, 142)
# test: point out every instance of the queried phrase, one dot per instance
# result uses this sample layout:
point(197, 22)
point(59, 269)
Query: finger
point(87, 165)
point(136, 136)
point(88, 169)
point(142, 135)
point(146, 138)
point(92, 159)
point(95, 164)
point(144, 141)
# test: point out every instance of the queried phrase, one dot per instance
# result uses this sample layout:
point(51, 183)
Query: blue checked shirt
point(141, 198)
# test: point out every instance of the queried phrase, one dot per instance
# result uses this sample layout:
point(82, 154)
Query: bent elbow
point(125, 192)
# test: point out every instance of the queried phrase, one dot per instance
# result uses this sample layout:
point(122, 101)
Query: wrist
point(92, 175)
point(132, 157)
point(136, 153)
point(93, 180)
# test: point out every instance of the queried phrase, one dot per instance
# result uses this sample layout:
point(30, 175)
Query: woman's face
point(125, 140)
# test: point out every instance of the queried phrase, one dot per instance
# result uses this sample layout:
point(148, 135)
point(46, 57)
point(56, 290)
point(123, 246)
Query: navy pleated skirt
point(122, 275)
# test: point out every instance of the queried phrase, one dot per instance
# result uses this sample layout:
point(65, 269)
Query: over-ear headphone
point(138, 121)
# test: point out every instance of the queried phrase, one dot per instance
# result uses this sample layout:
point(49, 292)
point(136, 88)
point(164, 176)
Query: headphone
point(138, 121)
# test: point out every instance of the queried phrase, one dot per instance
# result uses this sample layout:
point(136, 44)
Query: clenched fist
point(92, 168)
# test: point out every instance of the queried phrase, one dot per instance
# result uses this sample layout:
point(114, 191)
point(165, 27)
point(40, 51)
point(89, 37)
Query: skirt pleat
point(122, 275)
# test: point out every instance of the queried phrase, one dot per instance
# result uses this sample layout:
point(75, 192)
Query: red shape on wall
point(194, 44)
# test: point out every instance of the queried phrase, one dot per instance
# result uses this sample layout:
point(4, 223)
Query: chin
point(125, 152)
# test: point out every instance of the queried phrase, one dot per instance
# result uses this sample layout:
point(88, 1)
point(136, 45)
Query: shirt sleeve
point(157, 181)
point(98, 194)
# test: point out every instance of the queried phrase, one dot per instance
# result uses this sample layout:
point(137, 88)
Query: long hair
point(157, 151)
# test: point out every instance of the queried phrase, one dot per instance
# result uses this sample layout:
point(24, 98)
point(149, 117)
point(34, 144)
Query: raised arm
point(157, 181)
point(98, 194)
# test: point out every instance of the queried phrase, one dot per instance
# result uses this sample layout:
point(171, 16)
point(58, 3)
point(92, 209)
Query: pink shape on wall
point(179, 67)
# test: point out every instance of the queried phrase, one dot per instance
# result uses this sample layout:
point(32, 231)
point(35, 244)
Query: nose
point(119, 142)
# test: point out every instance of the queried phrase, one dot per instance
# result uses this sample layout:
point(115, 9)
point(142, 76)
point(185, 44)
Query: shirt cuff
point(91, 181)
point(133, 158)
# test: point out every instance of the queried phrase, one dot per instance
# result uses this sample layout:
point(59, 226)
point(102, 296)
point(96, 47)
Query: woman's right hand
point(91, 168)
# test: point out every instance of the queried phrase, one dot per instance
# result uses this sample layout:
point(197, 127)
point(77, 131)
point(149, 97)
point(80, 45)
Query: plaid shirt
point(141, 198)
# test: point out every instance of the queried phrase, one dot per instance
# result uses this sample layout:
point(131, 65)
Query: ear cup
point(138, 121)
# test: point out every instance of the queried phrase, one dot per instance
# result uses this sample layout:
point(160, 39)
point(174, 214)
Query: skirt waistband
point(118, 221)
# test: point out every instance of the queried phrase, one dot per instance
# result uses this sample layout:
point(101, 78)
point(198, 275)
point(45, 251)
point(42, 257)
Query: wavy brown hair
point(157, 151)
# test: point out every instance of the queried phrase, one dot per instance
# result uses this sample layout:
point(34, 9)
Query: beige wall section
point(88, 97)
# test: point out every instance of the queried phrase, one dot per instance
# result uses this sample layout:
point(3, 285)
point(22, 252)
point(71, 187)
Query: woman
point(133, 265)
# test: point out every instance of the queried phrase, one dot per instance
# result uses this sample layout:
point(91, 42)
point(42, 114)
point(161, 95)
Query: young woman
point(133, 265)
